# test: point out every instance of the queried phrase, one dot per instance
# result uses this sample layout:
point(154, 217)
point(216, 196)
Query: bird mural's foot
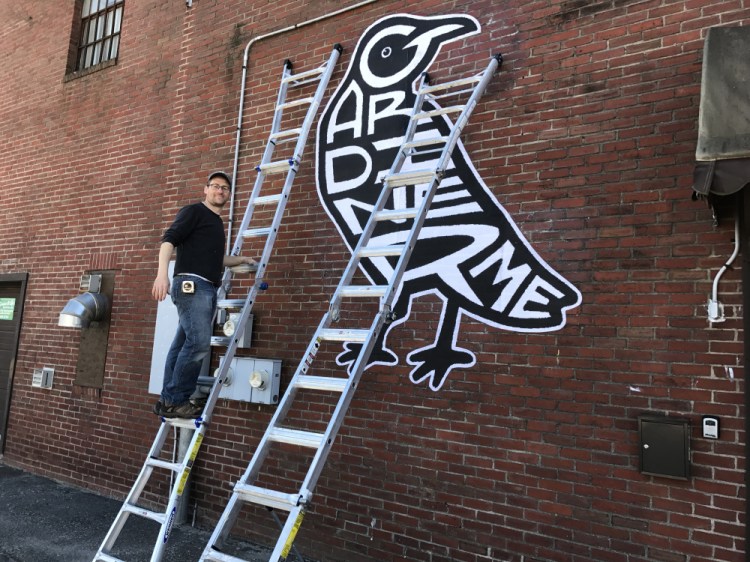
point(434, 363)
point(351, 352)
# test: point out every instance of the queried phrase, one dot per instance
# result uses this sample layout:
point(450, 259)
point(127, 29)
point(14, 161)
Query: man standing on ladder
point(198, 235)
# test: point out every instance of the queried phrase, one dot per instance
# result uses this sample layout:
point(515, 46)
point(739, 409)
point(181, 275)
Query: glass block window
point(100, 32)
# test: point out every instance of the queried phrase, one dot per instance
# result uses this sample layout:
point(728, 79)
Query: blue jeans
point(192, 342)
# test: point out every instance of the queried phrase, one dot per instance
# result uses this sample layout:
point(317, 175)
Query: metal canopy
point(723, 151)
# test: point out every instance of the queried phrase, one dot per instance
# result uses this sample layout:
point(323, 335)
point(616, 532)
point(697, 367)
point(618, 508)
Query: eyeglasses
point(220, 187)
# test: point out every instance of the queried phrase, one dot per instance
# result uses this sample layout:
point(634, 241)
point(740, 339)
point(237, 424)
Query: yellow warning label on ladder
point(292, 535)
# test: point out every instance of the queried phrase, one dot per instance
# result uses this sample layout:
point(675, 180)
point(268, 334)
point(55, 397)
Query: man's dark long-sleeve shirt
point(198, 234)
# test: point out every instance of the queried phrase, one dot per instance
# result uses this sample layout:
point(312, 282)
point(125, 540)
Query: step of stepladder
point(230, 303)
point(435, 112)
point(268, 199)
point(266, 497)
point(298, 437)
point(363, 291)
point(275, 167)
point(283, 136)
point(145, 513)
point(256, 232)
point(414, 177)
point(396, 214)
point(433, 88)
point(330, 384)
point(301, 76)
point(159, 463)
point(220, 341)
point(216, 556)
point(101, 557)
point(294, 103)
point(380, 251)
point(184, 423)
point(431, 141)
point(331, 334)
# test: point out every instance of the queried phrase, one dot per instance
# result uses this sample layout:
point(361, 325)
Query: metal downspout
point(249, 45)
point(745, 214)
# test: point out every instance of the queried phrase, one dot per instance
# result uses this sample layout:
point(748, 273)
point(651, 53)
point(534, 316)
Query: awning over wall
point(723, 152)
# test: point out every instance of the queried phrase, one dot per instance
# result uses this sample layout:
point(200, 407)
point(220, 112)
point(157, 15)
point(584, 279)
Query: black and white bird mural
point(470, 253)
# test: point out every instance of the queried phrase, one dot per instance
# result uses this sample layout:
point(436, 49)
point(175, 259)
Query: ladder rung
point(379, 251)
point(306, 74)
point(275, 167)
point(101, 557)
point(220, 341)
point(217, 556)
point(285, 134)
point(359, 291)
point(344, 335)
point(440, 111)
point(331, 384)
point(449, 85)
point(135, 510)
point(294, 103)
point(230, 303)
point(424, 142)
point(410, 178)
point(255, 232)
point(173, 466)
point(184, 423)
point(206, 380)
point(396, 214)
point(268, 498)
point(267, 199)
point(296, 437)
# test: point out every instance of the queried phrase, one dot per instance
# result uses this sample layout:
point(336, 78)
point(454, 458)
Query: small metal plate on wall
point(664, 446)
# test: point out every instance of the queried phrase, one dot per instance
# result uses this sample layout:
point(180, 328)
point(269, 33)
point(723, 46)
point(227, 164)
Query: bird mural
point(470, 254)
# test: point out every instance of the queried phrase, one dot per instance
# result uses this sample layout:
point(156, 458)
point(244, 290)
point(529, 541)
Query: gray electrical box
point(252, 379)
point(664, 446)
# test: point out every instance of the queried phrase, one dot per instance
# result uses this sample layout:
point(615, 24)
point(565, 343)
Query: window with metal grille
point(100, 32)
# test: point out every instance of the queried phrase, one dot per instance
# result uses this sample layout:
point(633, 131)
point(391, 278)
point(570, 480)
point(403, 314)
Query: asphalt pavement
point(42, 520)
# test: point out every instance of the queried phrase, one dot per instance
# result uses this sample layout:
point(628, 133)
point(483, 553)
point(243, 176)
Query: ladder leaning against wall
point(251, 489)
point(179, 469)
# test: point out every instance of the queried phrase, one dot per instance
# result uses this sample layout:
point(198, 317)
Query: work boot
point(186, 410)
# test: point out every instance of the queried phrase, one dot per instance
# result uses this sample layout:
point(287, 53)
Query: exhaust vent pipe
point(80, 311)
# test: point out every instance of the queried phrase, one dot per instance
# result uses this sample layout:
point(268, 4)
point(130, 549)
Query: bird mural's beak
point(445, 29)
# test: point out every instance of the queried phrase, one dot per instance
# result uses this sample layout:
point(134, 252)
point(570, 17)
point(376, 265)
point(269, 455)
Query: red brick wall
point(586, 137)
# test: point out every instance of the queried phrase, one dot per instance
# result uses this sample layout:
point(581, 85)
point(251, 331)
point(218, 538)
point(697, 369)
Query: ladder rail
point(181, 471)
point(443, 160)
point(368, 337)
point(360, 364)
point(135, 492)
point(385, 193)
point(259, 285)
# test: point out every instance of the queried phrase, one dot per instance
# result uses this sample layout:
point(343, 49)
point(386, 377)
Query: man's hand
point(160, 290)
point(233, 261)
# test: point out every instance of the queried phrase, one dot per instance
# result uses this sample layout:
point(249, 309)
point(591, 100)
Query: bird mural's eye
point(388, 57)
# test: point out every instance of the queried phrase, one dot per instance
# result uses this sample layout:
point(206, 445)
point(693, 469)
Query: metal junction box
point(253, 380)
point(664, 446)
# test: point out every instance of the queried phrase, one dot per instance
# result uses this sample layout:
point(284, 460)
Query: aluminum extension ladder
point(319, 443)
point(180, 469)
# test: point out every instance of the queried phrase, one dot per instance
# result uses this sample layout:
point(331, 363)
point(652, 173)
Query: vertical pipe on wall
point(245, 58)
point(744, 206)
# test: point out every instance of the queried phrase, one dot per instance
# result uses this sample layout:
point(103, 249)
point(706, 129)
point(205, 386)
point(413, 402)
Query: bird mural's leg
point(435, 362)
point(380, 355)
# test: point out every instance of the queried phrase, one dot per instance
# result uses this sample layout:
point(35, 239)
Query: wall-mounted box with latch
point(664, 446)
